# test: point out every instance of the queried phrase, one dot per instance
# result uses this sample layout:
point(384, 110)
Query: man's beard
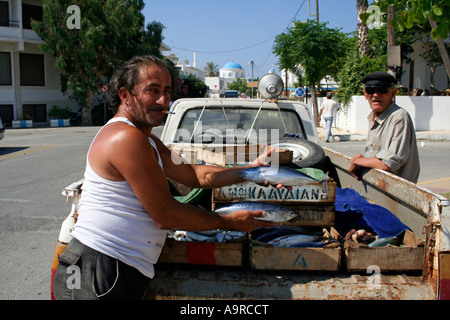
point(150, 119)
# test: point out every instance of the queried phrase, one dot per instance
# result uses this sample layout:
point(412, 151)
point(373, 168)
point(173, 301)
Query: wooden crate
point(230, 155)
point(267, 257)
point(240, 154)
point(312, 215)
point(313, 206)
point(386, 258)
point(188, 153)
point(407, 257)
point(249, 191)
point(307, 215)
point(203, 253)
point(302, 259)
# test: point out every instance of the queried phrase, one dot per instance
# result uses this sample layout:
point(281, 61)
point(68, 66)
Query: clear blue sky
point(239, 30)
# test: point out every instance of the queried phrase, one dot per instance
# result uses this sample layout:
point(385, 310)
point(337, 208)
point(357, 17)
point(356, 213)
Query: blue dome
point(232, 65)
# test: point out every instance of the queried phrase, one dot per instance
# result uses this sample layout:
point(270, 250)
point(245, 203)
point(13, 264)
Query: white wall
point(429, 113)
point(421, 78)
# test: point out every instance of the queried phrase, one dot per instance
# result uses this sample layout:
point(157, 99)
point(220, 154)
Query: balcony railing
point(9, 23)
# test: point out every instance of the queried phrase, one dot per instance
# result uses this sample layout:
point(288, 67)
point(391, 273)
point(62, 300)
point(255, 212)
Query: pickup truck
point(288, 125)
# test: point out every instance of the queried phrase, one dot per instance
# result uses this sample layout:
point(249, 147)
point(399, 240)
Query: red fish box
point(203, 253)
point(302, 259)
point(249, 191)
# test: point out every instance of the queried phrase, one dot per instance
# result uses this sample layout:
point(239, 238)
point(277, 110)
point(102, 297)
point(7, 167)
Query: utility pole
point(317, 10)
point(391, 30)
point(394, 54)
point(252, 63)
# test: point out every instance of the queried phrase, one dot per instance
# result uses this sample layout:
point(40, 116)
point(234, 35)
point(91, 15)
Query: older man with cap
point(391, 141)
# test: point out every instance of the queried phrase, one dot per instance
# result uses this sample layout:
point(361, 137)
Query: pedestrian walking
point(328, 109)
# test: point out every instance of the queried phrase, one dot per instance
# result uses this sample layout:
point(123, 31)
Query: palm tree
point(211, 69)
point(363, 30)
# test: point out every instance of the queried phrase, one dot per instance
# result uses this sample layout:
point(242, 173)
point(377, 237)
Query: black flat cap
point(379, 79)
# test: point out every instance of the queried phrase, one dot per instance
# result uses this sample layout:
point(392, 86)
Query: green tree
point(356, 65)
point(352, 72)
point(190, 87)
point(239, 84)
point(211, 69)
point(312, 50)
point(110, 32)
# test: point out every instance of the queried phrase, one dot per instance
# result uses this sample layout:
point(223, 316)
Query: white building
point(229, 73)
point(29, 84)
point(185, 68)
point(232, 70)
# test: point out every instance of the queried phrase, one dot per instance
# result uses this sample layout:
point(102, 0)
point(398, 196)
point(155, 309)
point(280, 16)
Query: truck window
point(238, 121)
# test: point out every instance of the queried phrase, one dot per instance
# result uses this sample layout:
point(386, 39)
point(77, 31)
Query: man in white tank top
point(126, 205)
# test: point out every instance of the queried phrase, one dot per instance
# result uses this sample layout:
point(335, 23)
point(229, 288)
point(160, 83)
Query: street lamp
point(251, 63)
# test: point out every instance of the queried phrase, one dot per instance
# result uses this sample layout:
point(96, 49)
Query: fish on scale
point(280, 175)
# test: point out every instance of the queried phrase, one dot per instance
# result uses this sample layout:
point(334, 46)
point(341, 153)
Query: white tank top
point(113, 221)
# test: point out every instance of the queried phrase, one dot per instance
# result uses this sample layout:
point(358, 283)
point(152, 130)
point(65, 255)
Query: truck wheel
point(305, 154)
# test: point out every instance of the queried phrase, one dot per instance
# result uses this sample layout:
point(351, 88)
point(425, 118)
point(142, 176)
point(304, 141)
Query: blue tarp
point(353, 211)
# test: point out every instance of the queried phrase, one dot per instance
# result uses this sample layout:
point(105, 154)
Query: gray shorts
point(86, 274)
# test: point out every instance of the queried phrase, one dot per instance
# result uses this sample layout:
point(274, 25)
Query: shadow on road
point(7, 150)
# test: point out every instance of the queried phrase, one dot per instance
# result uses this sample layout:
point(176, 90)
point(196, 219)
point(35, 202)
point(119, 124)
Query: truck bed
point(190, 282)
point(410, 203)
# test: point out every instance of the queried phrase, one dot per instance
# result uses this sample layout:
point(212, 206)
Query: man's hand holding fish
point(265, 159)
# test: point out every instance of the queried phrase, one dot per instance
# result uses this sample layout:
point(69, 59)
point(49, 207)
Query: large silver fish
point(383, 242)
point(207, 236)
point(280, 175)
point(293, 240)
point(274, 212)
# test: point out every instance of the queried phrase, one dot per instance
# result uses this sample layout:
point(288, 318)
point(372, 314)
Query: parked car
point(231, 94)
point(2, 129)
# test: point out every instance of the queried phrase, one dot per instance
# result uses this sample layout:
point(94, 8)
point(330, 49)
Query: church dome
point(232, 65)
